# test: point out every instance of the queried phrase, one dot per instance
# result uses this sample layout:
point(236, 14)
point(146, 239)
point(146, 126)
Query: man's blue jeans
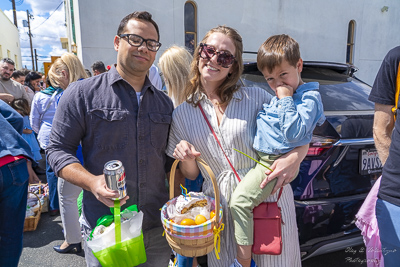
point(52, 180)
point(13, 194)
point(388, 217)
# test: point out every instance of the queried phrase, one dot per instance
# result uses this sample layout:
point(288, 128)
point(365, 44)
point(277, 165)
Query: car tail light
point(316, 151)
point(319, 145)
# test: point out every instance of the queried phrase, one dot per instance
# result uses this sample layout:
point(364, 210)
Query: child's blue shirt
point(286, 123)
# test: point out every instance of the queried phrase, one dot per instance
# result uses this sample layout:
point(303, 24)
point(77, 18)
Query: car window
point(339, 92)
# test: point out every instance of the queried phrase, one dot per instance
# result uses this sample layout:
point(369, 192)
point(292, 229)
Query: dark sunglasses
point(224, 58)
point(137, 41)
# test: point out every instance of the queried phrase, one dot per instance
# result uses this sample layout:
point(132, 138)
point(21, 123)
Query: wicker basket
point(194, 240)
point(30, 224)
point(45, 206)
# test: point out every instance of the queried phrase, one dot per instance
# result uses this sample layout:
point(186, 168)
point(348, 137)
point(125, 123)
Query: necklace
point(218, 106)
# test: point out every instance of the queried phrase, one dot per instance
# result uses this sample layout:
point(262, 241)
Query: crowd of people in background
point(67, 117)
point(35, 97)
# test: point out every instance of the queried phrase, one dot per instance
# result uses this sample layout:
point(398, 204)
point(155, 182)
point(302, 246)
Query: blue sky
point(47, 27)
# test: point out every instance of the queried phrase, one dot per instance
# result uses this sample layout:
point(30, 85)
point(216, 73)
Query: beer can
point(114, 172)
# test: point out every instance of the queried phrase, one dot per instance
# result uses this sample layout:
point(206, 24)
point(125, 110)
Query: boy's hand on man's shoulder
point(284, 91)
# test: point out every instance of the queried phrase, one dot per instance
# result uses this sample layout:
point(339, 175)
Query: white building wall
point(9, 40)
point(320, 26)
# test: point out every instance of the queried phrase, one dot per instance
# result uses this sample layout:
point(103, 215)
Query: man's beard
point(4, 78)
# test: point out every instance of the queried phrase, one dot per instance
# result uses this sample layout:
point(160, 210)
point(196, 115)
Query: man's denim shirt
point(11, 141)
point(103, 114)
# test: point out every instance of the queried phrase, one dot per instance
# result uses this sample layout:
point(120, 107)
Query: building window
point(8, 53)
point(16, 62)
point(1, 52)
point(190, 26)
point(350, 42)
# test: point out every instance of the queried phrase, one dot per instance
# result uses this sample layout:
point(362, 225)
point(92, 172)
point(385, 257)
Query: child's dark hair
point(22, 106)
point(275, 49)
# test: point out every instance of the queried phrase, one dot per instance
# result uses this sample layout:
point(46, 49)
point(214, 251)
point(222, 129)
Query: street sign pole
point(30, 38)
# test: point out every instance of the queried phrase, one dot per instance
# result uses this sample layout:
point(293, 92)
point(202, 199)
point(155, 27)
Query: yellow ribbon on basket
point(217, 239)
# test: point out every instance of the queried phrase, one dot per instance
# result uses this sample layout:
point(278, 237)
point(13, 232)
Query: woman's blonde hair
point(229, 85)
point(69, 63)
point(174, 64)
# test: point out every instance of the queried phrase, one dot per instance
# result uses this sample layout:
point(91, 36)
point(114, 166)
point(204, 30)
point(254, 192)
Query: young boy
point(285, 123)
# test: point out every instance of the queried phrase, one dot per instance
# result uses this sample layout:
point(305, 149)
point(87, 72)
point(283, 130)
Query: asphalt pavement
point(38, 250)
point(38, 246)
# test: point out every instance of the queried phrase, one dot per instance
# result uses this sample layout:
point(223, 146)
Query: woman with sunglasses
point(231, 111)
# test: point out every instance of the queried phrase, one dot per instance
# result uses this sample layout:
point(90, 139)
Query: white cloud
point(56, 51)
point(42, 7)
point(46, 33)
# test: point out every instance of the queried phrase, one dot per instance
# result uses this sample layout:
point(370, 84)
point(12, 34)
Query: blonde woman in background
point(174, 64)
point(64, 71)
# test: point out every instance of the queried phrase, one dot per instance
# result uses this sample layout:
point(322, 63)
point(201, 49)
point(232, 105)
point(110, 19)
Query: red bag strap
point(216, 138)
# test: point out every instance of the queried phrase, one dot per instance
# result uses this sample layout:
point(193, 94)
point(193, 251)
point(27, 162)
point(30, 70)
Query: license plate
point(369, 162)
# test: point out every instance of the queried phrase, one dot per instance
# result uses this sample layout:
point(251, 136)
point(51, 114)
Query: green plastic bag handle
point(106, 220)
point(117, 221)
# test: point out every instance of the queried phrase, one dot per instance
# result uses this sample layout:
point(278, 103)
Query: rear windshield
point(339, 92)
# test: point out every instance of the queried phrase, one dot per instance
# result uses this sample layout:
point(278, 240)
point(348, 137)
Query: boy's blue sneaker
point(237, 264)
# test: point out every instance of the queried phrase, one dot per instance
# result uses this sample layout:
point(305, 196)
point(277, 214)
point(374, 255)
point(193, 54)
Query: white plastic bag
point(130, 228)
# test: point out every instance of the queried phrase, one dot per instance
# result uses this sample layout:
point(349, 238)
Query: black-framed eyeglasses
point(224, 58)
point(136, 40)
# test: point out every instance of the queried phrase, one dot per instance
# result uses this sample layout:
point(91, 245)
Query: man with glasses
point(118, 116)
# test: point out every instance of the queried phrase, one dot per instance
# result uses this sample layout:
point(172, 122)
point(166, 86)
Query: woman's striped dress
point(236, 130)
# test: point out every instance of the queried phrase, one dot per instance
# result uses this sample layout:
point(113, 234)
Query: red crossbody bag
point(267, 216)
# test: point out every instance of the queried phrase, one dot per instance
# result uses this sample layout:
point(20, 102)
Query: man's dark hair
point(99, 66)
point(138, 15)
point(7, 60)
point(16, 74)
point(89, 74)
point(25, 71)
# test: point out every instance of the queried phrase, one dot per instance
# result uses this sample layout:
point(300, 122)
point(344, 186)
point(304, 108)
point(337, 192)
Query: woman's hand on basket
point(184, 151)
point(187, 154)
